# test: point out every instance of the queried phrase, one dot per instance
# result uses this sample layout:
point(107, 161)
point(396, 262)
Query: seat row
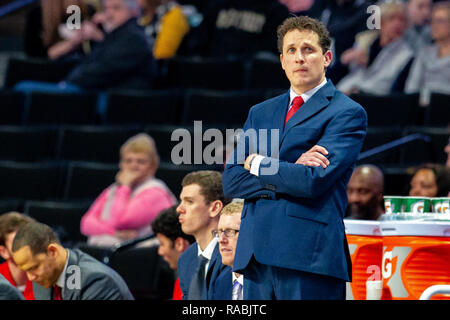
point(229, 108)
point(409, 145)
point(75, 180)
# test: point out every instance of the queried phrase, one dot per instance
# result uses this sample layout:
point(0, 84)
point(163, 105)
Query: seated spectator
point(378, 56)
point(430, 180)
point(8, 291)
point(172, 242)
point(122, 60)
point(9, 224)
point(46, 33)
point(125, 209)
point(63, 274)
point(233, 28)
point(418, 34)
point(365, 193)
point(430, 71)
point(344, 19)
point(229, 285)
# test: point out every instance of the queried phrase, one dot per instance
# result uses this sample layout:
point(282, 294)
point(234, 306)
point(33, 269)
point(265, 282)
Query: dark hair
point(11, 222)
point(36, 235)
point(304, 23)
point(210, 183)
point(442, 175)
point(167, 224)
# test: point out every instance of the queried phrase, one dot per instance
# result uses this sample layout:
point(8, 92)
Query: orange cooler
point(366, 246)
point(416, 255)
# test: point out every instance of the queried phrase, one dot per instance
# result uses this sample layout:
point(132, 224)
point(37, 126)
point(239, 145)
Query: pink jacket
point(128, 211)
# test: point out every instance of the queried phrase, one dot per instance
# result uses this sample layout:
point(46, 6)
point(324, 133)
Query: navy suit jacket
point(294, 218)
point(187, 265)
point(97, 282)
point(222, 288)
point(8, 291)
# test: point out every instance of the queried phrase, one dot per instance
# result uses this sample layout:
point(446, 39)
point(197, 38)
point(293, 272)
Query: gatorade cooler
point(416, 255)
point(366, 247)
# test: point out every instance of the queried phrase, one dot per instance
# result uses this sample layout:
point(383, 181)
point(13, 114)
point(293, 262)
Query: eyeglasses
point(229, 233)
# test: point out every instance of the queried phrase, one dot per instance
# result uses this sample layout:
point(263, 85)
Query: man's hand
point(314, 157)
point(248, 160)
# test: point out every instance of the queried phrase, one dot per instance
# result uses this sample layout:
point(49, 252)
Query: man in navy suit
point(292, 242)
point(201, 202)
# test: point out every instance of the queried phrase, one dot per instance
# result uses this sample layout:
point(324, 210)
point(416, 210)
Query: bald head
point(371, 174)
point(365, 192)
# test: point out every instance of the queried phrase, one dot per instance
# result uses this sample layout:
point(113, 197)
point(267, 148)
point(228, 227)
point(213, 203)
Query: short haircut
point(232, 209)
point(11, 222)
point(141, 143)
point(37, 236)
point(302, 23)
point(167, 224)
point(387, 9)
point(210, 183)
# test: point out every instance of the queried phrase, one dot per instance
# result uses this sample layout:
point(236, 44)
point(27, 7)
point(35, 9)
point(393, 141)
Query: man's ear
point(328, 58)
point(281, 60)
point(181, 244)
point(52, 250)
point(4, 253)
point(215, 208)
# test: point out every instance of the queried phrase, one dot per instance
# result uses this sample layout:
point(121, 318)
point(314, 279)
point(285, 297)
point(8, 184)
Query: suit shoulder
point(188, 255)
point(345, 103)
point(269, 103)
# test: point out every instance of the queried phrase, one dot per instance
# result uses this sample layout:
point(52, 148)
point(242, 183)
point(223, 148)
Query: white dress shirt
point(207, 253)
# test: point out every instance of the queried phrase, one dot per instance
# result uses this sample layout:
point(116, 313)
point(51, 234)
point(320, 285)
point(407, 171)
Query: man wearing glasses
point(229, 285)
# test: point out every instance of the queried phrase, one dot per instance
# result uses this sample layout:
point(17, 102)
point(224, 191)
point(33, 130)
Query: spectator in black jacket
point(122, 60)
point(237, 27)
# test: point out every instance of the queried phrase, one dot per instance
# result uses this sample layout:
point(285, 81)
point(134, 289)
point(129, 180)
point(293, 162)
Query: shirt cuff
point(254, 169)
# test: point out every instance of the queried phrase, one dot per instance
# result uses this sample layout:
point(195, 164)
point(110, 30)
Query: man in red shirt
point(9, 224)
point(173, 242)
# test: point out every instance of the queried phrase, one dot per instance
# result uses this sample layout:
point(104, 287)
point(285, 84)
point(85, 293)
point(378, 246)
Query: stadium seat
point(376, 137)
point(396, 180)
point(162, 135)
point(205, 74)
point(93, 143)
point(63, 217)
point(10, 205)
point(392, 110)
point(437, 113)
point(62, 108)
point(28, 144)
point(420, 151)
point(12, 107)
point(147, 275)
point(31, 181)
point(20, 69)
point(173, 174)
point(102, 254)
point(267, 74)
point(219, 107)
point(86, 180)
point(158, 107)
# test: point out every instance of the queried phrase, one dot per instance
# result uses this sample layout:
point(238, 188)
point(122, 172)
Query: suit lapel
point(315, 104)
point(278, 113)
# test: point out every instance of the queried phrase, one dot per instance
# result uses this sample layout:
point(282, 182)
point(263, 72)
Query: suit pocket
point(313, 214)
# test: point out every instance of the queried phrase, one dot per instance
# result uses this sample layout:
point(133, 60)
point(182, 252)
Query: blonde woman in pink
point(125, 209)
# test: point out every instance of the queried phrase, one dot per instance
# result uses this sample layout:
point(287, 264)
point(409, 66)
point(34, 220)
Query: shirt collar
point(62, 277)
point(207, 253)
point(240, 279)
point(308, 94)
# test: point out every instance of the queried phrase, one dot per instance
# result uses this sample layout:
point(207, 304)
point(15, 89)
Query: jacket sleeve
point(343, 138)
point(238, 182)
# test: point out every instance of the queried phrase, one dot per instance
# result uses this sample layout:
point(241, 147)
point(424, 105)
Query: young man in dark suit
point(201, 202)
point(292, 242)
point(62, 274)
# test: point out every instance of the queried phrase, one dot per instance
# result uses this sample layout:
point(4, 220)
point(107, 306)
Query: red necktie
point(57, 293)
point(296, 104)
